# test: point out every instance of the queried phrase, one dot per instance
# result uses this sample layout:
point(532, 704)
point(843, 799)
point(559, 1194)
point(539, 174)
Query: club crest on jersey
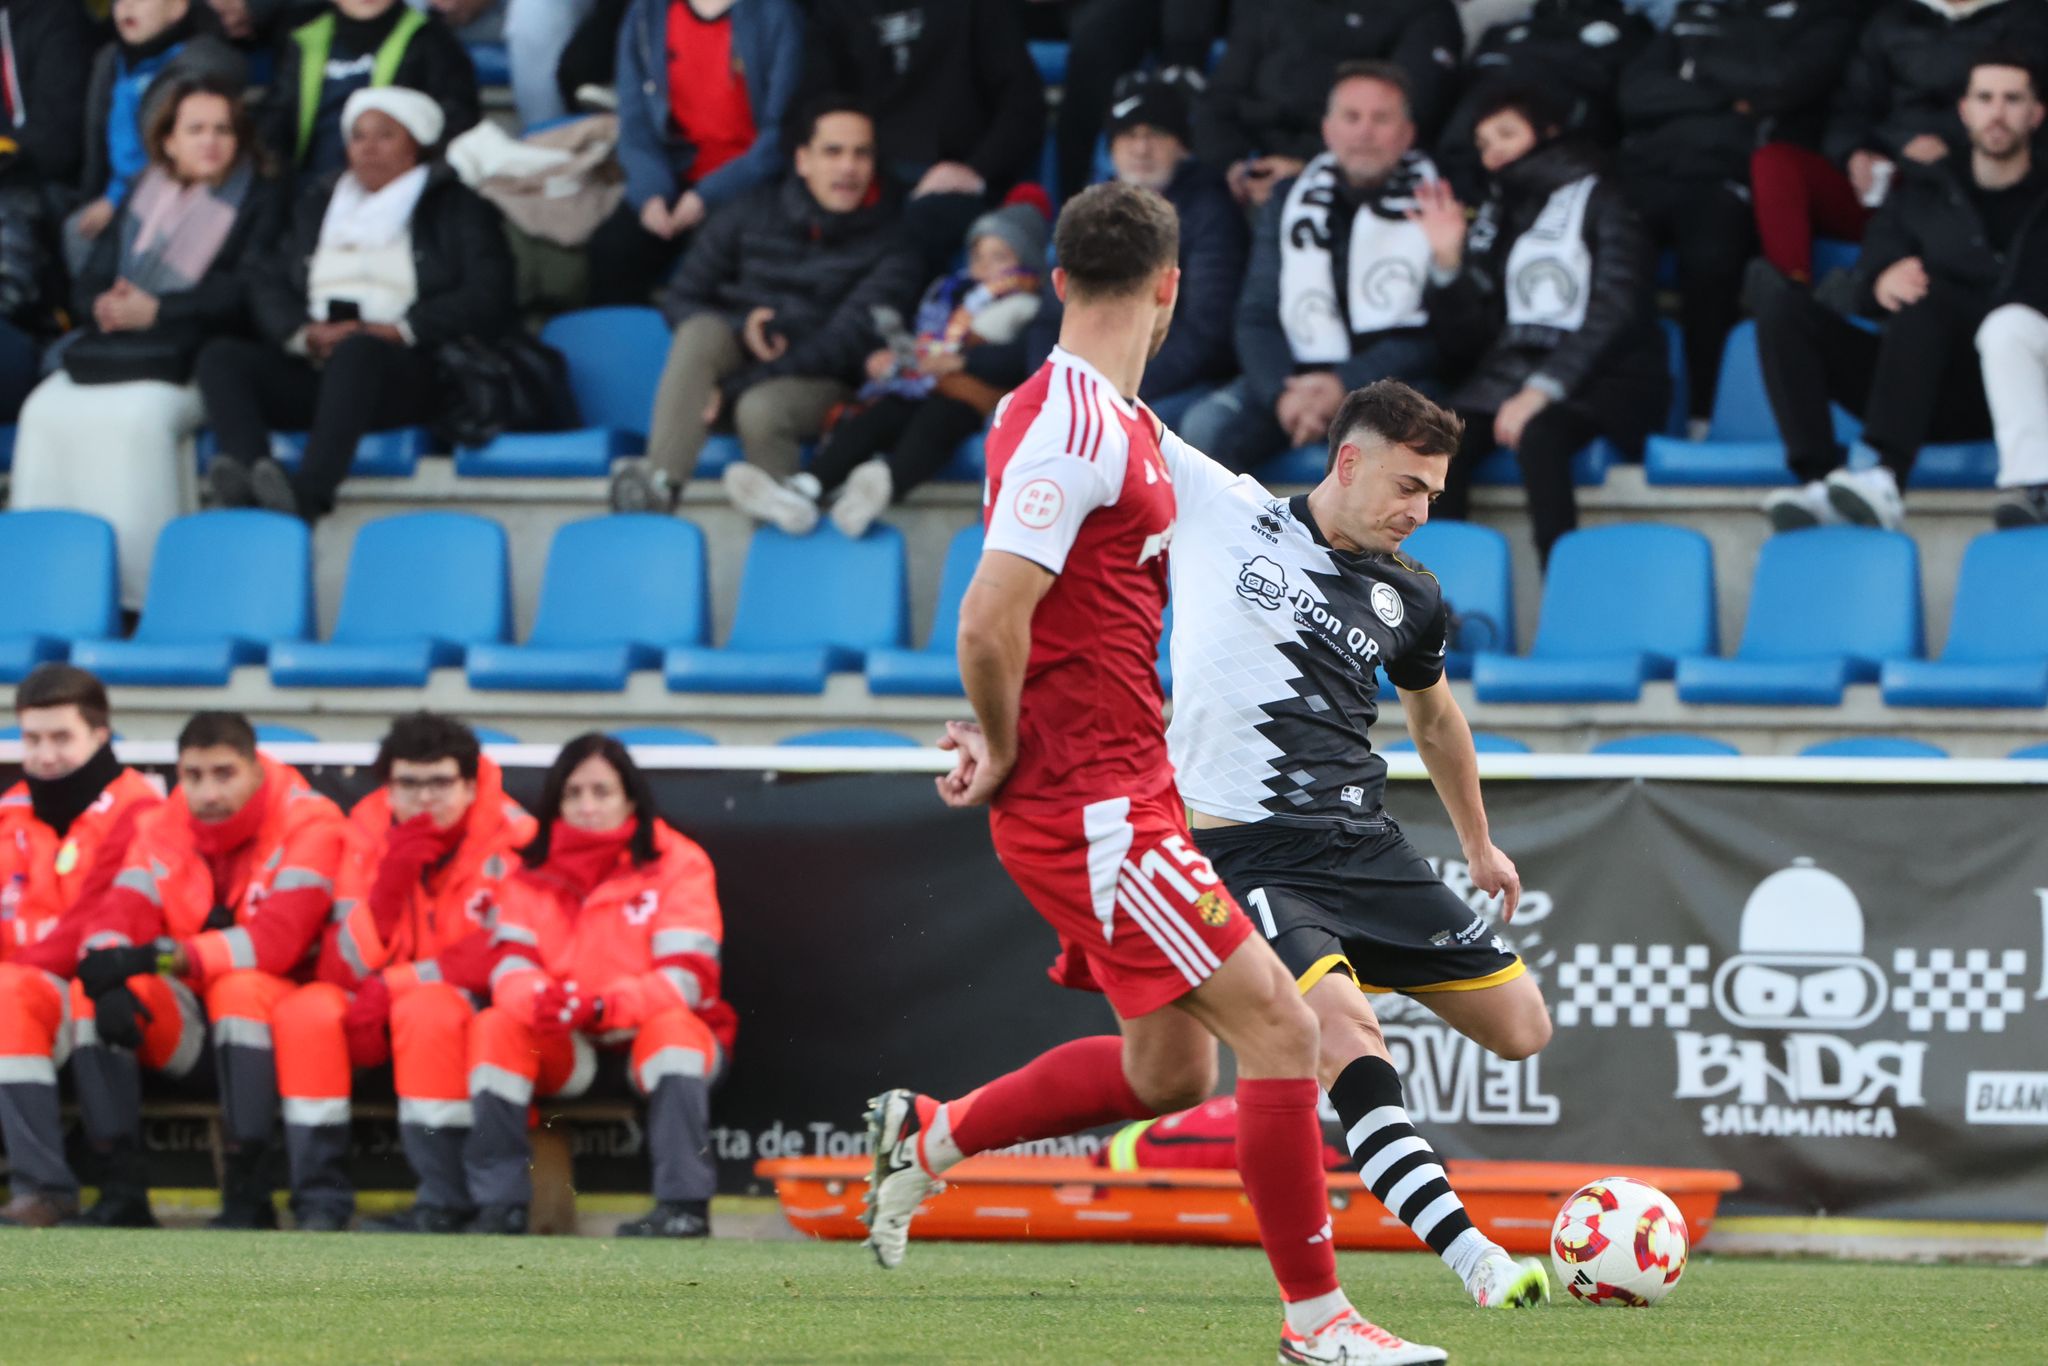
point(1213, 909)
point(1263, 582)
point(1386, 604)
point(1039, 503)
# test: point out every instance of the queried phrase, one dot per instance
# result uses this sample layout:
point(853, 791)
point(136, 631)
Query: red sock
point(1280, 1157)
point(1073, 1087)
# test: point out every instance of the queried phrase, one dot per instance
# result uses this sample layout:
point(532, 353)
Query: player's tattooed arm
point(1443, 739)
point(994, 646)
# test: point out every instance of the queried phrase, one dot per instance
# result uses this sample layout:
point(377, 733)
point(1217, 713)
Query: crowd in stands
point(485, 956)
point(264, 216)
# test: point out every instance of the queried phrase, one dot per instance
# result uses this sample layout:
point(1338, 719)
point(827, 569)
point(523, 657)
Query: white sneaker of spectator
point(1868, 497)
point(1801, 508)
point(863, 497)
point(765, 498)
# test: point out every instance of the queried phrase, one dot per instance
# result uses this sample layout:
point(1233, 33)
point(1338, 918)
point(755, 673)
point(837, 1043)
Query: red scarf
point(220, 842)
point(578, 860)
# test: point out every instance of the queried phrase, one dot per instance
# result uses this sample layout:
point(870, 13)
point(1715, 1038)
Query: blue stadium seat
point(1620, 606)
point(857, 738)
point(933, 671)
point(1483, 742)
point(1742, 445)
point(422, 587)
point(1997, 651)
point(808, 606)
point(62, 585)
point(490, 735)
point(1672, 742)
point(719, 450)
point(1165, 661)
point(1589, 466)
point(616, 593)
point(1681, 385)
point(1302, 465)
point(225, 588)
point(493, 63)
point(393, 454)
point(615, 357)
point(1832, 254)
point(661, 735)
point(1471, 562)
point(10, 732)
point(268, 734)
point(2023, 752)
point(969, 464)
point(1826, 608)
point(1873, 747)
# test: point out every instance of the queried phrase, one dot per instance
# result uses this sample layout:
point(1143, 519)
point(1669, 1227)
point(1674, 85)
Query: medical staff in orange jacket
point(64, 831)
point(609, 938)
point(398, 979)
point(223, 897)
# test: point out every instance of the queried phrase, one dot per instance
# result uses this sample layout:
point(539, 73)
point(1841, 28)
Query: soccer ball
point(1618, 1241)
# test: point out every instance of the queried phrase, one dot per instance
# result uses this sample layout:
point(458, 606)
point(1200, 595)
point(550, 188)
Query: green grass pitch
point(80, 1295)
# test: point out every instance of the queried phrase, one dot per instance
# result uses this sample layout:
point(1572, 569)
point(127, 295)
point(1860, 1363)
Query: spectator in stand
point(157, 43)
point(64, 833)
point(107, 432)
point(1941, 250)
point(774, 312)
point(2012, 348)
point(703, 89)
point(1333, 297)
point(1727, 76)
point(180, 925)
point(1571, 52)
point(1264, 117)
point(1149, 132)
point(1548, 297)
point(921, 399)
point(378, 267)
point(1896, 103)
point(609, 937)
point(396, 978)
point(361, 45)
point(1107, 39)
point(958, 106)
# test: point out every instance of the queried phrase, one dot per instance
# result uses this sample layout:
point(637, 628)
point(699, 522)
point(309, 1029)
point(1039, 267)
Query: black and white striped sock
point(1399, 1165)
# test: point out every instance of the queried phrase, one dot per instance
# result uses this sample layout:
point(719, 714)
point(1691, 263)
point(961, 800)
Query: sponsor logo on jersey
point(1353, 795)
point(1386, 604)
point(1264, 582)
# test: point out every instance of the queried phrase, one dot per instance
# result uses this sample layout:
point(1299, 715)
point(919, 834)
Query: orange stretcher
point(1049, 1199)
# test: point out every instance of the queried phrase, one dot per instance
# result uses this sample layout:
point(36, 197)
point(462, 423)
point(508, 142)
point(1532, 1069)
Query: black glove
point(104, 970)
point(120, 1016)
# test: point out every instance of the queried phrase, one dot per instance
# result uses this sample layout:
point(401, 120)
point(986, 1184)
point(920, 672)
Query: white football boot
point(898, 1183)
point(1501, 1282)
point(1349, 1340)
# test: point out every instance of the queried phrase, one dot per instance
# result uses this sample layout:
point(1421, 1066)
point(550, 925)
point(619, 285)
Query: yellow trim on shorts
point(1492, 979)
point(1322, 968)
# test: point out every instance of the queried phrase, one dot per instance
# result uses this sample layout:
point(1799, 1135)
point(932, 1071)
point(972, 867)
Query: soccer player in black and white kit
point(1284, 612)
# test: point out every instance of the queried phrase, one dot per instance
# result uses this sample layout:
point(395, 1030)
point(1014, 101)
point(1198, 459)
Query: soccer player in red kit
point(1058, 634)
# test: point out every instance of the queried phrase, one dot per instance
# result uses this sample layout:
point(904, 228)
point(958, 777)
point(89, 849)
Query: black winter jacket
point(46, 47)
point(1929, 214)
point(1680, 98)
point(1908, 70)
point(1572, 50)
point(435, 63)
point(822, 273)
point(1612, 365)
point(216, 306)
point(947, 80)
point(1267, 96)
point(1214, 244)
point(460, 257)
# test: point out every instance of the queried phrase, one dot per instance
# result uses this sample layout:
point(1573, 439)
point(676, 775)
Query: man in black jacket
point(1896, 103)
point(774, 305)
point(1726, 76)
point(1263, 116)
point(1936, 256)
point(958, 106)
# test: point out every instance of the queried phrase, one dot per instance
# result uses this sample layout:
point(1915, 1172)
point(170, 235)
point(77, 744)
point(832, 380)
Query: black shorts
point(1360, 902)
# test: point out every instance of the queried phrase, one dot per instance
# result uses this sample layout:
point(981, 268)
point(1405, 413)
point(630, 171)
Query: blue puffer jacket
point(767, 40)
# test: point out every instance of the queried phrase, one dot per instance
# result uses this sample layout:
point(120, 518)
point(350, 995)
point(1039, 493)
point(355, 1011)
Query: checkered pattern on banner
point(1632, 984)
point(1970, 992)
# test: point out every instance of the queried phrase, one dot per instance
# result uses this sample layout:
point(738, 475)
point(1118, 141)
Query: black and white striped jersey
point(1278, 641)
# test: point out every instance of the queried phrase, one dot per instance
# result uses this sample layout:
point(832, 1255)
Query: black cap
point(1162, 100)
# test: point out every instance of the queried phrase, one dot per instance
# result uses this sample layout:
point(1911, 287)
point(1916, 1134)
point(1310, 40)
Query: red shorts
point(1141, 916)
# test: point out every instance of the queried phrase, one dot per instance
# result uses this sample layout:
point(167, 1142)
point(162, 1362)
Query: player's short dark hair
point(1112, 238)
point(2009, 60)
point(64, 685)
point(426, 737)
point(1386, 73)
point(1538, 107)
point(804, 127)
point(207, 729)
point(632, 777)
point(1397, 415)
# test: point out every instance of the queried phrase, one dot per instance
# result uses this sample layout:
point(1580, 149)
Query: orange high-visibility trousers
point(238, 1010)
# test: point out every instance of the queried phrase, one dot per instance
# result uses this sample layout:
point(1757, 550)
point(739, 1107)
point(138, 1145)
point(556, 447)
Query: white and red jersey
point(1076, 483)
